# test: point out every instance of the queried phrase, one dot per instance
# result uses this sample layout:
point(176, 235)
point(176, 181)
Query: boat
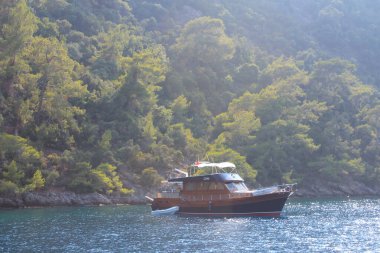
point(219, 193)
point(168, 211)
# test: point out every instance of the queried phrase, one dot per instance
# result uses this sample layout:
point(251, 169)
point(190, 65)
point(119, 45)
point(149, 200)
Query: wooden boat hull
point(268, 205)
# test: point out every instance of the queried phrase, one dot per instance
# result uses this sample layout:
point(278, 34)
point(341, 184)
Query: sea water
point(307, 225)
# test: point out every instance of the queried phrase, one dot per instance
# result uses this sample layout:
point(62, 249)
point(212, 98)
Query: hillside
point(108, 96)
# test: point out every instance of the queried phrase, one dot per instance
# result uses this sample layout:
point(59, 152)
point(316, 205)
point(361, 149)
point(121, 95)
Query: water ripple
point(318, 225)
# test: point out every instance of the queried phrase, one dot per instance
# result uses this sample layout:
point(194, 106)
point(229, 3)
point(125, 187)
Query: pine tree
point(37, 181)
point(12, 173)
point(17, 28)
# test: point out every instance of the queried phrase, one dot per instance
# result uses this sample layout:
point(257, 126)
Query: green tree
point(8, 188)
point(200, 55)
point(12, 173)
point(180, 108)
point(78, 178)
point(203, 42)
point(332, 81)
point(55, 104)
point(52, 177)
point(107, 180)
point(184, 140)
point(108, 62)
point(150, 178)
point(218, 151)
point(37, 182)
point(18, 24)
point(17, 153)
point(280, 147)
point(279, 69)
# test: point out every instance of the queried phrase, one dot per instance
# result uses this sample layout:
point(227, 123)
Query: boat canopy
point(222, 165)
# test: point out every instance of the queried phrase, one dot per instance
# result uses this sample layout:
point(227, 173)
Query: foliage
point(12, 174)
point(219, 152)
point(52, 177)
point(37, 182)
point(150, 178)
point(8, 188)
point(18, 158)
point(203, 42)
point(95, 94)
point(107, 180)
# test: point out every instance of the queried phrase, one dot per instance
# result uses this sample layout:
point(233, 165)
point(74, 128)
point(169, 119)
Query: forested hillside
point(105, 96)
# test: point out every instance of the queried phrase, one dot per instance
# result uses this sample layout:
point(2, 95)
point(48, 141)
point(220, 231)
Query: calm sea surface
point(318, 225)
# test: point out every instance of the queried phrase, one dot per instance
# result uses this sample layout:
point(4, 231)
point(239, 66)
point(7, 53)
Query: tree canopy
point(99, 95)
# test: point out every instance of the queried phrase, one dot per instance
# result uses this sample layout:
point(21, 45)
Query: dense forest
point(103, 96)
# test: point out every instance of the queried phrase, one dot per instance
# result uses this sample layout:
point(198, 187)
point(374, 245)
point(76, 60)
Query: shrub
point(8, 187)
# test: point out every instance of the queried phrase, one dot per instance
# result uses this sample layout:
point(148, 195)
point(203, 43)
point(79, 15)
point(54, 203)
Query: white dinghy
point(169, 211)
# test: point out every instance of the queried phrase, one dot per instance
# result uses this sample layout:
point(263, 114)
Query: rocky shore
point(347, 187)
point(65, 198)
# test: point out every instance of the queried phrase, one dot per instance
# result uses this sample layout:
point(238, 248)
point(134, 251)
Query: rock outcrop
point(65, 198)
point(347, 187)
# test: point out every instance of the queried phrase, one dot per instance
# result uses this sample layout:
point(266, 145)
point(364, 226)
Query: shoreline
point(67, 199)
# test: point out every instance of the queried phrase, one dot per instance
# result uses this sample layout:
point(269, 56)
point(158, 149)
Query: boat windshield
point(234, 186)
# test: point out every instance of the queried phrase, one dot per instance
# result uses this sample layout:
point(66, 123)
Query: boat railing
point(168, 194)
point(273, 189)
point(239, 195)
point(220, 196)
point(287, 187)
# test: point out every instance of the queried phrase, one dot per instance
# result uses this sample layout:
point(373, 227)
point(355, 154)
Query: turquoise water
point(335, 225)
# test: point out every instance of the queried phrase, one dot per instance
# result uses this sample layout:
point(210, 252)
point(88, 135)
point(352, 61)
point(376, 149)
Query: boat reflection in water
point(219, 193)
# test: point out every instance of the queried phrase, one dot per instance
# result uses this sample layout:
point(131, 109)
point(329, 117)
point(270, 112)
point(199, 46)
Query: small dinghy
point(169, 211)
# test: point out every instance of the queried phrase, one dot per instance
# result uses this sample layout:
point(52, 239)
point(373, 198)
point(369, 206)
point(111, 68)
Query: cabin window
point(220, 186)
point(190, 187)
point(233, 186)
point(197, 186)
point(216, 186)
point(204, 186)
point(241, 186)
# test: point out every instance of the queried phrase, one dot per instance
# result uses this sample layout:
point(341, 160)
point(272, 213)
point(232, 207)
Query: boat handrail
point(215, 196)
point(168, 194)
point(275, 188)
